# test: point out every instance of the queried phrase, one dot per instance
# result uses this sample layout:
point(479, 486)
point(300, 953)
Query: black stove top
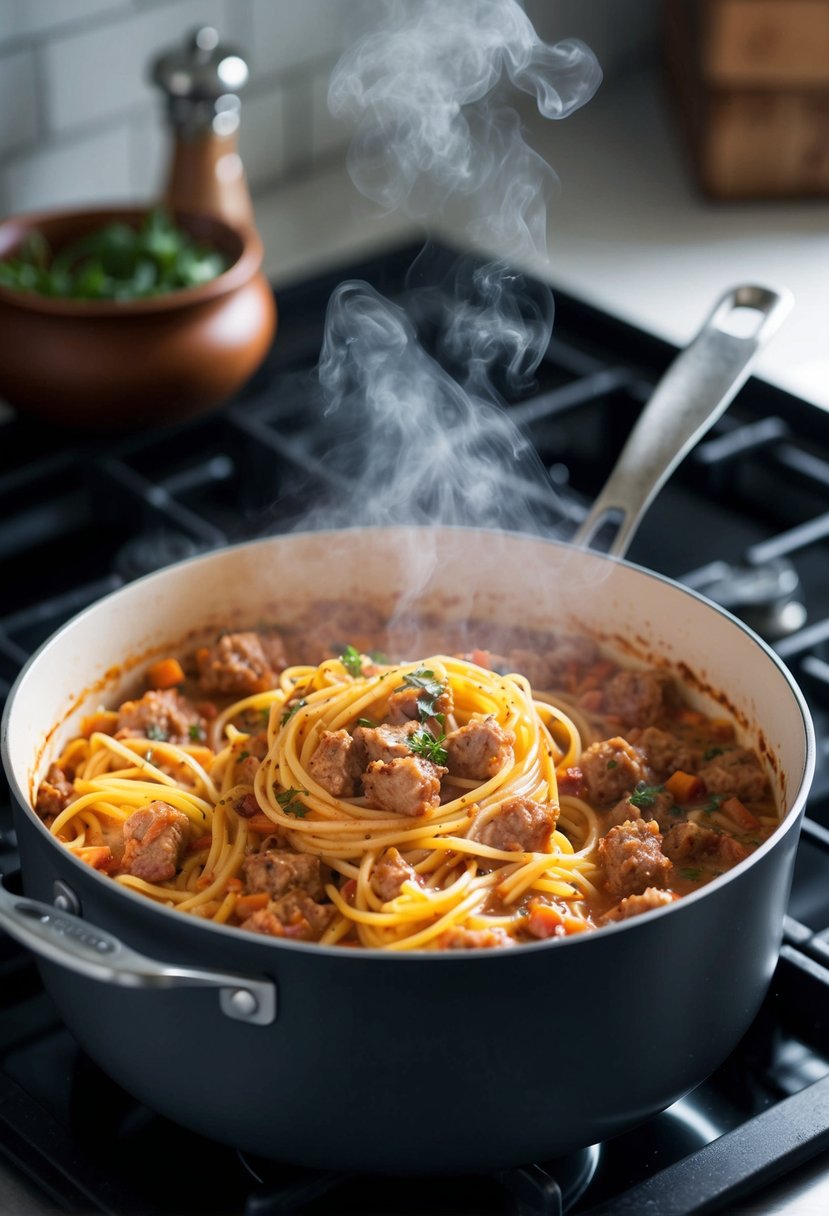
point(745, 520)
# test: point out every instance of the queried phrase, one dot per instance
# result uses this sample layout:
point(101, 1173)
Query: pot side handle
point(699, 384)
point(59, 937)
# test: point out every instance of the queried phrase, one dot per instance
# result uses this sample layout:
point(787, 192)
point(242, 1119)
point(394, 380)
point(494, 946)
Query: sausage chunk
point(336, 763)
point(634, 905)
point(389, 874)
point(409, 785)
point(459, 938)
point(294, 915)
point(632, 858)
point(154, 841)
point(279, 870)
point(695, 842)
point(520, 825)
point(403, 706)
point(54, 793)
point(480, 749)
point(611, 769)
point(664, 753)
point(384, 742)
point(637, 697)
point(163, 715)
point(241, 663)
point(736, 773)
point(652, 802)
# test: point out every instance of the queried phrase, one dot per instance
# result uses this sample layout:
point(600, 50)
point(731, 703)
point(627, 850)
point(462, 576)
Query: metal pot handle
point(689, 398)
point(59, 937)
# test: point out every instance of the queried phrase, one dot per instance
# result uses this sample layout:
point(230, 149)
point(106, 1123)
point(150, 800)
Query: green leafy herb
point(243, 756)
point(423, 743)
point(195, 732)
point(429, 690)
point(157, 733)
point(290, 803)
point(352, 661)
point(365, 722)
point(691, 874)
point(289, 713)
point(114, 262)
point(644, 796)
point(613, 764)
point(713, 804)
point(377, 656)
point(711, 752)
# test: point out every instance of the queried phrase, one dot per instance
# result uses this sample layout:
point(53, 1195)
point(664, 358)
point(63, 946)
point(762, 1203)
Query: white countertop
point(628, 232)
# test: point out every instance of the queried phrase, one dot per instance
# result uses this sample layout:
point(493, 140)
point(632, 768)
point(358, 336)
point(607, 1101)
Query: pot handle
point(59, 937)
point(689, 398)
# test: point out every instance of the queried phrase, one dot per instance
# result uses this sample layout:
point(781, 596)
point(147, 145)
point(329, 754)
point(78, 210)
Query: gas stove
point(745, 520)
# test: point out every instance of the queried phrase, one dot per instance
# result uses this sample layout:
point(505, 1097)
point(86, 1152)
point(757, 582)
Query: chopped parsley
point(157, 733)
point(423, 743)
point(289, 713)
point(352, 661)
point(242, 756)
point(713, 804)
point(377, 656)
point(711, 752)
point(613, 764)
point(290, 803)
point(195, 732)
point(365, 722)
point(692, 874)
point(429, 690)
point(644, 796)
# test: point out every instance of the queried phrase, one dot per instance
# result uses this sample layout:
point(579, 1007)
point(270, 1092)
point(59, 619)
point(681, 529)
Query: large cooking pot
point(362, 1059)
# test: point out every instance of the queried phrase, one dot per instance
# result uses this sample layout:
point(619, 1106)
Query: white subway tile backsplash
point(327, 132)
point(291, 33)
point(103, 72)
point(18, 100)
point(20, 18)
point(80, 172)
point(149, 154)
point(262, 137)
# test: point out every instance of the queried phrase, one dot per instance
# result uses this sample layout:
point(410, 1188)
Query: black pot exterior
point(427, 1063)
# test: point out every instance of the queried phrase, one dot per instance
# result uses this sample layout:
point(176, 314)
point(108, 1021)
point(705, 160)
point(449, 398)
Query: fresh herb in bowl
point(115, 262)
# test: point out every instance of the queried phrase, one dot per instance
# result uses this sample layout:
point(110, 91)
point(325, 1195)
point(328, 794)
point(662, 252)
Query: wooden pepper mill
point(202, 80)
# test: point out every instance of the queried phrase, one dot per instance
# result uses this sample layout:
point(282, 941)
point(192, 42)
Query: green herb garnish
point(711, 752)
point(713, 804)
point(195, 732)
point(289, 801)
point(693, 875)
point(157, 733)
point(429, 690)
point(613, 764)
point(289, 713)
point(352, 661)
point(114, 262)
point(644, 796)
point(423, 743)
point(365, 722)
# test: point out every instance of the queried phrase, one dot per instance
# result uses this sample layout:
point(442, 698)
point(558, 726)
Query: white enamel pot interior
point(689, 978)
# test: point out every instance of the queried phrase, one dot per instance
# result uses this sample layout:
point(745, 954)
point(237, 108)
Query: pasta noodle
point(457, 874)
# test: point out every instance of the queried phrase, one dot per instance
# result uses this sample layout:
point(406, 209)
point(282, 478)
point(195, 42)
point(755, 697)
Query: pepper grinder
point(202, 80)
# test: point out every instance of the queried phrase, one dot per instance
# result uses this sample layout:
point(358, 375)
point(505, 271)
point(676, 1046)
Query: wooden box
point(750, 80)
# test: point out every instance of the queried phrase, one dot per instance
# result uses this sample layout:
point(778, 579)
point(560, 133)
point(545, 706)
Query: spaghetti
point(417, 805)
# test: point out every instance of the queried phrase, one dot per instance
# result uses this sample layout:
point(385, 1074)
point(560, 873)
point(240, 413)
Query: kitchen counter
point(628, 231)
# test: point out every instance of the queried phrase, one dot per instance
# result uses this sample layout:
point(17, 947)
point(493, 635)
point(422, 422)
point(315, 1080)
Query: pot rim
point(789, 823)
point(244, 266)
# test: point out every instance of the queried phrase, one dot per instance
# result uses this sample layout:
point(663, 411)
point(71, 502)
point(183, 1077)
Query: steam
point(424, 89)
point(412, 390)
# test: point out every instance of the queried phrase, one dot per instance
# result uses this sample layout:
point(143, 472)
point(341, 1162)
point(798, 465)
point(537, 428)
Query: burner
point(549, 1189)
point(763, 595)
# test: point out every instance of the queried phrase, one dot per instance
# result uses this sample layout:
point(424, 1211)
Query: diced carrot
point(165, 673)
point(246, 905)
point(573, 925)
point(545, 921)
point(740, 813)
point(684, 787)
point(105, 721)
point(261, 823)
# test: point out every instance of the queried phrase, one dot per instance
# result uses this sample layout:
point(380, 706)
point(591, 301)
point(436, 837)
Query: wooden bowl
point(108, 365)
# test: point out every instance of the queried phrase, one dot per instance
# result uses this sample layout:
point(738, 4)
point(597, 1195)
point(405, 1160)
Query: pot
point(426, 1062)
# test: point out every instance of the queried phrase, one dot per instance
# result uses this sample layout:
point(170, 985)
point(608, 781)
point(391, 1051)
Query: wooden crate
point(750, 80)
